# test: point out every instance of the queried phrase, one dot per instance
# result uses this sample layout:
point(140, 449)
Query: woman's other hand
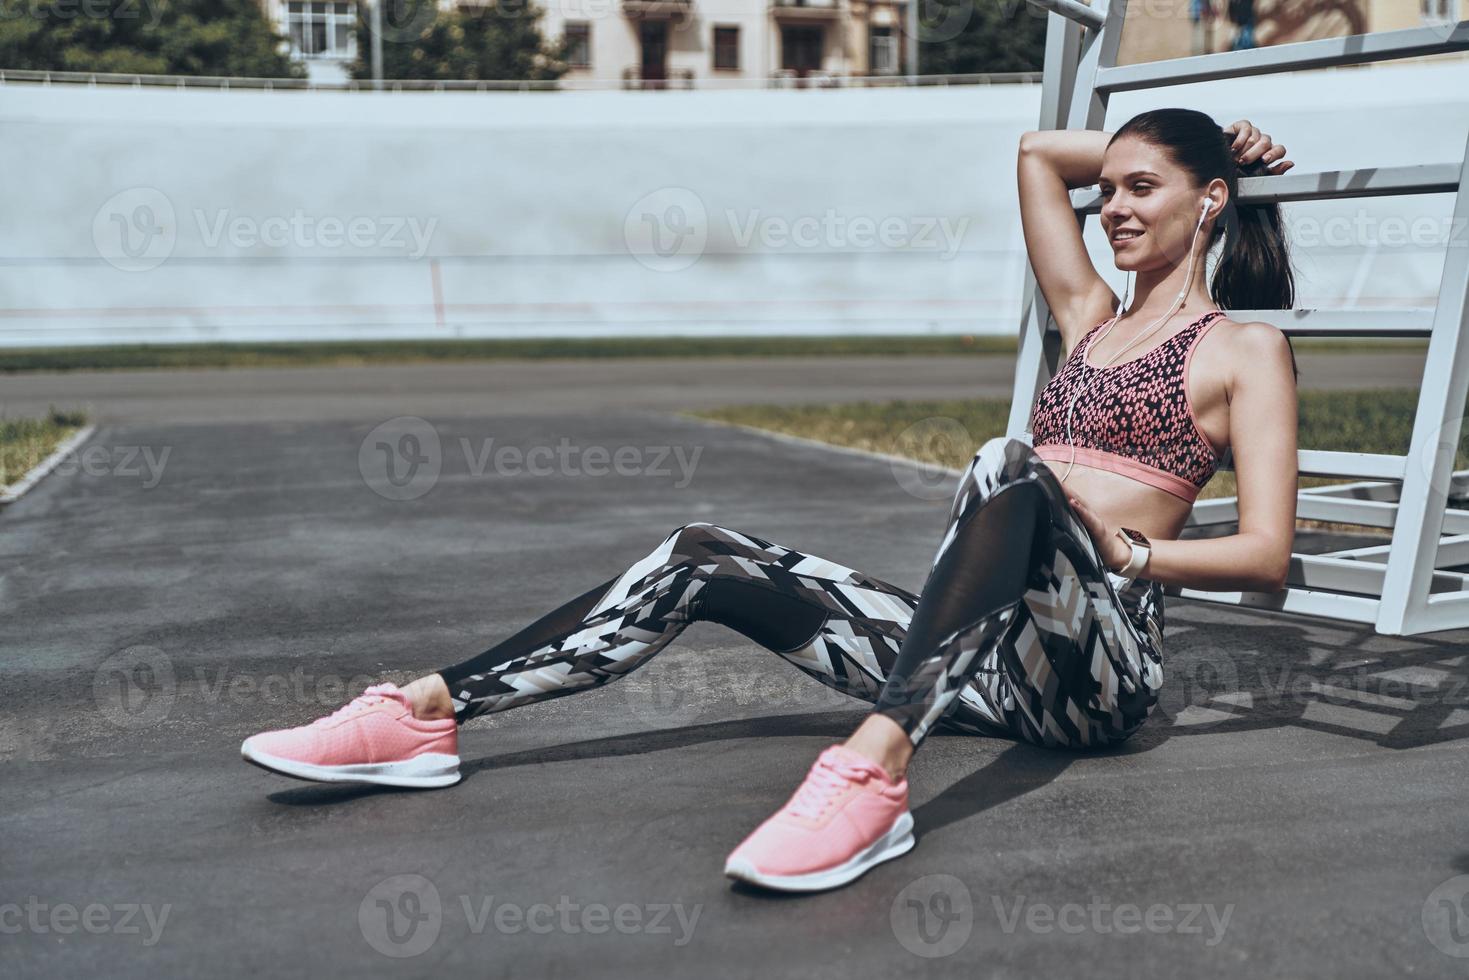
point(1250, 145)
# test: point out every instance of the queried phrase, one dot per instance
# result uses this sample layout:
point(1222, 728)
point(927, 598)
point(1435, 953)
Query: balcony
point(657, 9)
point(682, 78)
point(821, 10)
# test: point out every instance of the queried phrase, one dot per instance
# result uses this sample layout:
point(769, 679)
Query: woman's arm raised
point(1049, 164)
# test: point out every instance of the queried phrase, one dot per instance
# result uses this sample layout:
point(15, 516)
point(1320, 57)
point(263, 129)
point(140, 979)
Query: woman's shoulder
point(1247, 346)
point(1251, 338)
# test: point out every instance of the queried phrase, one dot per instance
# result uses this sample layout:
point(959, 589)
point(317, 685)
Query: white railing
point(10, 76)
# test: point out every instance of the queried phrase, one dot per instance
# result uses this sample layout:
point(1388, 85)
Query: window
point(1439, 11)
point(727, 47)
point(579, 51)
point(322, 29)
point(882, 54)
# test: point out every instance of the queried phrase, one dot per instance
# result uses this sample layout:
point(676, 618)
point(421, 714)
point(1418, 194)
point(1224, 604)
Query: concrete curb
point(818, 444)
point(16, 490)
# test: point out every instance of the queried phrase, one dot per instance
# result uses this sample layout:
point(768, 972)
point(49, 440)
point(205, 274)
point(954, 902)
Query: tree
point(151, 37)
point(499, 40)
point(964, 37)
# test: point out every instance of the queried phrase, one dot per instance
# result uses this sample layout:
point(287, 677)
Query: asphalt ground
point(539, 387)
point(1293, 809)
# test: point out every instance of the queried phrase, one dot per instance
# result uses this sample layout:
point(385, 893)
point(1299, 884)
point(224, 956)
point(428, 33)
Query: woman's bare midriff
point(1125, 502)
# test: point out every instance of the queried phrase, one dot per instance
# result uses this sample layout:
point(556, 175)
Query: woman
point(1040, 619)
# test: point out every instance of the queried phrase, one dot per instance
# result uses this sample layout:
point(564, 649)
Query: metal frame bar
point(1355, 49)
point(1402, 588)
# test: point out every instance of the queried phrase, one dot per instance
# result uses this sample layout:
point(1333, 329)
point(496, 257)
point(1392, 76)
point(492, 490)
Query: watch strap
point(1139, 559)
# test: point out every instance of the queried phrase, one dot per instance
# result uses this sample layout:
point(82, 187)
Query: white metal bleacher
point(1402, 588)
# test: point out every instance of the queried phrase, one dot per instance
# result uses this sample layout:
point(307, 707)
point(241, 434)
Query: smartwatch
point(1142, 548)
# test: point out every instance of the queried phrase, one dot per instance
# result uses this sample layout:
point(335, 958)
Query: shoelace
point(828, 778)
point(376, 694)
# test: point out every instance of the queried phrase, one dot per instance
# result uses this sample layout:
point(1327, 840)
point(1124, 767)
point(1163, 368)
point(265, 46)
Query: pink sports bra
point(1134, 417)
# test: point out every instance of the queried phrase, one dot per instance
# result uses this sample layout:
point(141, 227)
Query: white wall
point(537, 208)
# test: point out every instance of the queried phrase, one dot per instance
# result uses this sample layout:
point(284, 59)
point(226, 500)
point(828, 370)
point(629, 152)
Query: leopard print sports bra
point(1134, 417)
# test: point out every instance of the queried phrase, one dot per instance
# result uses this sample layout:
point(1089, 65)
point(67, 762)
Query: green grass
point(948, 432)
point(24, 443)
point(346, 353)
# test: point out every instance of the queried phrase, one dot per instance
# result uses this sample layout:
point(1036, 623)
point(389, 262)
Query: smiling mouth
point(1127, 239)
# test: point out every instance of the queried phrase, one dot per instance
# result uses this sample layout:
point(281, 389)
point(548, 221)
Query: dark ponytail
point(1254, 269)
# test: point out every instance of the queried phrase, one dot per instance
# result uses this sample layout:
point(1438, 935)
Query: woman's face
point(1149, 207)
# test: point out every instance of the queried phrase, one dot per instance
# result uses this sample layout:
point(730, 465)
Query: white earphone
point(1206, 205)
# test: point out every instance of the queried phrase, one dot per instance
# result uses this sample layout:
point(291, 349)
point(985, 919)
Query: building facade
point(703, 43)
point(709, 43)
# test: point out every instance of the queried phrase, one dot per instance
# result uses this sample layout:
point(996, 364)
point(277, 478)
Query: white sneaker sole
point(896, 842)
point(422, 771)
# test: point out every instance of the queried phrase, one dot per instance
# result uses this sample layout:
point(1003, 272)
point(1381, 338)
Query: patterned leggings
point(1019, 631)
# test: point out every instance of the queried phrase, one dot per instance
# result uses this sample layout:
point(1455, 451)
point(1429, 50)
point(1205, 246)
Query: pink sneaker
point(845, 818)
point(374, 739)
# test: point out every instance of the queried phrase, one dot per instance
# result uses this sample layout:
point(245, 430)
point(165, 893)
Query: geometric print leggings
point(1019, 632)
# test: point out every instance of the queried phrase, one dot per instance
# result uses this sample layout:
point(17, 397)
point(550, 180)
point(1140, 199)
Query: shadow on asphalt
point(1220, 678)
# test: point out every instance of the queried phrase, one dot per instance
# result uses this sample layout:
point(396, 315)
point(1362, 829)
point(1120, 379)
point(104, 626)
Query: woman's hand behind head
point(1250, 145)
